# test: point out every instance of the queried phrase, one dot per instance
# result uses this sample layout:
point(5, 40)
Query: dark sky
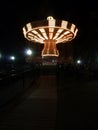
point(15, 14)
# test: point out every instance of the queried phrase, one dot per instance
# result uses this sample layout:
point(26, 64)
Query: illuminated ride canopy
point(50, 32)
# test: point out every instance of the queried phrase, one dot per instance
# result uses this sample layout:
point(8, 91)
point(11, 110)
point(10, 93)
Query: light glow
point(12, 58)
point(79, 61)
point(28, 52)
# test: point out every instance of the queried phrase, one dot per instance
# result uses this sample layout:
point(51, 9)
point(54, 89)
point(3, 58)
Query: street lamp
point(29, 52)
point(79, 61)
point(12, 58)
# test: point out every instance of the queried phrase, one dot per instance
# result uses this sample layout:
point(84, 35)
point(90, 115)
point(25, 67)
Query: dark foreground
point(58, 102)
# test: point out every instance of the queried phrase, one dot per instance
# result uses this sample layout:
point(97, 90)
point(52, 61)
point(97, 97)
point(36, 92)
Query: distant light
point(29, 52)
point(79, 61)
point(12, 57)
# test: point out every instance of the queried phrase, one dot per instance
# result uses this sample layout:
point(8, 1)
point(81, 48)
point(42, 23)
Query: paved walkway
point(55, 103)
point(37, 111)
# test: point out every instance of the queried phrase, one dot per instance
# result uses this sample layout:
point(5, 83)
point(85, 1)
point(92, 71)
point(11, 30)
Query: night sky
point(15, 14)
